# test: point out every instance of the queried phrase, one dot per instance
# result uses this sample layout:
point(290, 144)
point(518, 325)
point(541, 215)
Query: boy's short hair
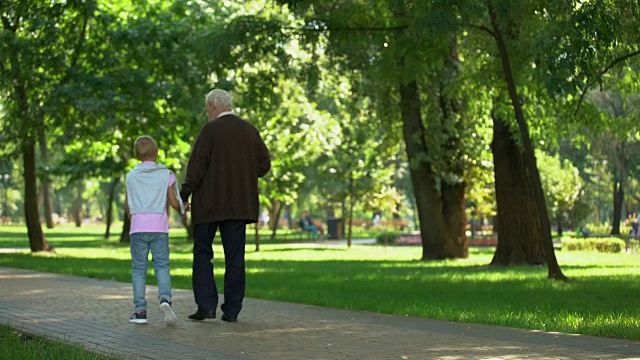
point(145, 147)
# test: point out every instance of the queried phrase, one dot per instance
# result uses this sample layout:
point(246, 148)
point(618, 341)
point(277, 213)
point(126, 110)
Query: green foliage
point(360, 161)
point(40, 48)
point(598, 229)
point(380, 47)
point(95, 75)
point(141, 75)
point(563, 187)
point(605, 245)
point(388, 237)
point(590, 36)
point(320, 80)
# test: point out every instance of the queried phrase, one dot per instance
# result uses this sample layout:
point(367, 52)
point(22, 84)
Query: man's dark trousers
point(233, 234)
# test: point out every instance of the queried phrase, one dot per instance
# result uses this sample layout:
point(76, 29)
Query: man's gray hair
point(219, 98)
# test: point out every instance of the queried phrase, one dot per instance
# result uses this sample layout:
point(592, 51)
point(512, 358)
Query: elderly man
point(226, 161)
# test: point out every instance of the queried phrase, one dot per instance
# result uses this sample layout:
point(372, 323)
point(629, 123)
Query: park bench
point(400, 224)
point(396, 223)
point(365, 223)
point(308, 234)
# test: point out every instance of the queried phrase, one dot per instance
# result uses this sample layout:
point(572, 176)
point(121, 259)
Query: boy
point(149, 187)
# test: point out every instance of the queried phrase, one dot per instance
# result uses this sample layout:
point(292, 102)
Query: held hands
point(184, 208)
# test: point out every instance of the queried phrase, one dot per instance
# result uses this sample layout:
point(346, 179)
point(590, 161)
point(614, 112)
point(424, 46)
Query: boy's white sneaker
point(169, 316)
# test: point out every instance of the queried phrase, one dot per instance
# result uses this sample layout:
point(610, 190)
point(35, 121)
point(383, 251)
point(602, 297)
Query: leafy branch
point(606, 69)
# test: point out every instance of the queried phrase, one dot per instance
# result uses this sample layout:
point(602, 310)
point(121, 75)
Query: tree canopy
point(366, 106)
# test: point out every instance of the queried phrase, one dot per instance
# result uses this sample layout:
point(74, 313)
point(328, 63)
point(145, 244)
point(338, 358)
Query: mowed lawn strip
point(14, 344)
point(601, 299)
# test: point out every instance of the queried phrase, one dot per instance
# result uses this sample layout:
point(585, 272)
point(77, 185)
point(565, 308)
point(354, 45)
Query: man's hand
point(187, 207)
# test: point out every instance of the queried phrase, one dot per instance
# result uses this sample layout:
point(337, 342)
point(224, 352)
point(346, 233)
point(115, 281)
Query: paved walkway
point(95, 313)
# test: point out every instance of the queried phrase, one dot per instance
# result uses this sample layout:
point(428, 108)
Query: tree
point(539, 210)
point(618, 145)
point(593, 44)
point(391, 43)
point(563, 187)
point(123, 91)
point(38, 42)
point(364, 149)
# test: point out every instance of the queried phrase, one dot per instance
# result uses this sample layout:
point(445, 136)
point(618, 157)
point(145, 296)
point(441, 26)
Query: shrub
point(598, 230)
point(388, 237)
point(603, 230)
point(606, 245)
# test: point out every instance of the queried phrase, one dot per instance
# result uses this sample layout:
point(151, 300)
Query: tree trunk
point(453, 195)
point(414, 208)
point(618, 200)
point(37, 240)
point(126, 227)
point(290, 221)
point(5, 201)
point(453, 200)
point(559, 224)
point(517, 222)
point(112, 195)
point(46, 185)
point(351, 203)
point(58, 204)
point(542, 216)
point(277, 220)
point(274, 213)
point(428, 201)
point(77, 204)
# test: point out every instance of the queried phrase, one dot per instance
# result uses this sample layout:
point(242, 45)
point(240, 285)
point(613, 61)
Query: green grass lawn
point(16, 345)
point(602, 299)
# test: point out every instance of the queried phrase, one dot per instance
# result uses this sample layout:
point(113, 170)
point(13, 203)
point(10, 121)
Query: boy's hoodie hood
point(147, 186)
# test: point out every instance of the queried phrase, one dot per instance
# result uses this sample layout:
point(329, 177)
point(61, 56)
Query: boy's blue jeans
point(141, 243)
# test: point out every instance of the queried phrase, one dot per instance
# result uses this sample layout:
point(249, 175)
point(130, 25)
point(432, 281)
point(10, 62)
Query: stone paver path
point(96, 312)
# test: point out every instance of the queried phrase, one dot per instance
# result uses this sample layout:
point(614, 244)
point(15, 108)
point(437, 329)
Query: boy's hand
point(187, 207)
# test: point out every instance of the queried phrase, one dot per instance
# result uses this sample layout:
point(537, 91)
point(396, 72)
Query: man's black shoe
point(229, 318)
point(201, 315)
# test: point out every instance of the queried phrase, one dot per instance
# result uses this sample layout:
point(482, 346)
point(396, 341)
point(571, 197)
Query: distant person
point(376, 218)
point(287, 218)
point(306, 224)
point(584, 232)
point(226, 161)
point(149, 187)
point(264, 218)
point(635, 231)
